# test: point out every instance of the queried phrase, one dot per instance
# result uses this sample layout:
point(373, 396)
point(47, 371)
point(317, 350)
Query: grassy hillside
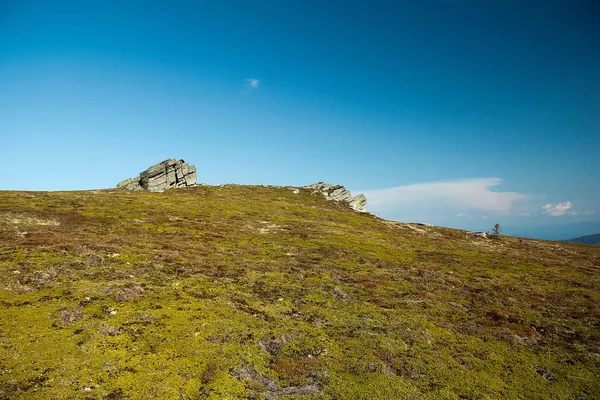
point(255, 292)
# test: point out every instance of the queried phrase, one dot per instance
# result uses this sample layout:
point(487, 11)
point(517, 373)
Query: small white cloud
point(558, 210)
point(253, 83)
point(589, 212)
point(572, 213)
point(526, 214)
point(461, 214)
point(484, 217)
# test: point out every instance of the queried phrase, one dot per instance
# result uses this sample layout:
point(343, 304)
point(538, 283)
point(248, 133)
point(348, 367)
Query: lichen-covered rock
point(358, 202)
point(130, 184)
point(168, 174)
point(340, 193)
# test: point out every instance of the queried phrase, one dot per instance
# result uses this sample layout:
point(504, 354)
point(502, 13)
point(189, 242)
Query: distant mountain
point(589, 239)
point(554, 232)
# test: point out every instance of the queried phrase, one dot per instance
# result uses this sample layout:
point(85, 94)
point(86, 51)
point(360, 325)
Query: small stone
point(339, 293)
point(479, 234)
point(544, 373)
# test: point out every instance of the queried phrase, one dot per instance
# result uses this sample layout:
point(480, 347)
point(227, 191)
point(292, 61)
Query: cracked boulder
point(340, 193)
point(168, 174)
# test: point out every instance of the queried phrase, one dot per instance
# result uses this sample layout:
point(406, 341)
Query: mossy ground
point(257, 292)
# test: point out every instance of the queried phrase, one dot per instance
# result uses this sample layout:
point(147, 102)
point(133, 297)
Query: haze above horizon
point(459, 114)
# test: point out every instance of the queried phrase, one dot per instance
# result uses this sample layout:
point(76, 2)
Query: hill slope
point(589, 239)
point(257, 292)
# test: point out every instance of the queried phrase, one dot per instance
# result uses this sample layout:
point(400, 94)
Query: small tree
point(496, 231)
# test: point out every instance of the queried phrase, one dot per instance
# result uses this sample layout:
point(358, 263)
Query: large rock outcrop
point(168, 174)
point(340, 193)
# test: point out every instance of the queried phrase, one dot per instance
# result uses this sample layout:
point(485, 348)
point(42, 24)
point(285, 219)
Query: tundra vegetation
point(260, 292)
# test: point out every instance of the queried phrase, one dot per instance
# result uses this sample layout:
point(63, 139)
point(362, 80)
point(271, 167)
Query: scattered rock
point(544, 373)
point(270, 389)
point(480, 234)
point(250, 374)
point(68, 317)
point(339, 293)
point(340, 193)
point(168, 174)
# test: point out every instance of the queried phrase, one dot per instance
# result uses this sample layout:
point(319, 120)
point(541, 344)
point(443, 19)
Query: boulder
point(168, 174)
point(340, 193)
point(358, 202)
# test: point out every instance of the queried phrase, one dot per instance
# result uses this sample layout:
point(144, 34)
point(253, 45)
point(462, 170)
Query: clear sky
point(450, 112)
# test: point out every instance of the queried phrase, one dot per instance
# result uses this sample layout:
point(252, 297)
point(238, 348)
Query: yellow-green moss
point(110, 294)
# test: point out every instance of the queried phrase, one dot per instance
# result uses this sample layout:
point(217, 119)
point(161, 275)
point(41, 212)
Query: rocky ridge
point(172, 173)
point(340, 193)
point(167, 174)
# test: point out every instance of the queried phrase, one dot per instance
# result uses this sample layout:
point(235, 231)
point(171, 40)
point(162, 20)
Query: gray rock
point(544, 373)
point(359, 203)
point(340, 193)
point(130, 184)
point(168, 174)
point(270, 389)
point(480, 234)
point(339, 293)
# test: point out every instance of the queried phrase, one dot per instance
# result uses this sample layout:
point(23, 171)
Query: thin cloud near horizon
point(466, 194)
point(465, 199)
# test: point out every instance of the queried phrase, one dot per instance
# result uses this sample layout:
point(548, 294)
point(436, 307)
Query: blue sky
point(456, 113)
